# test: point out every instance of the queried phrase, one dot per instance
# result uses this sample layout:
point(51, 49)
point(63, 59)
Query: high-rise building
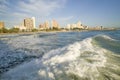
point(29, 23)
point(46, 25)
point(2, 25)
point(68, 26)
point(33, 18)
point(55, 24)
point(42, 26)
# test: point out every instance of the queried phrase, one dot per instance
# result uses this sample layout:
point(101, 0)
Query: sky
point(88, 12)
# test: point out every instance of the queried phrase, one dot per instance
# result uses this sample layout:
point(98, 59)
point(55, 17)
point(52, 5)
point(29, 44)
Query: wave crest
point(80, 60)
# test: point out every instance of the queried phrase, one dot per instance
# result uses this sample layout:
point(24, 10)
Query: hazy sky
point(89, 12)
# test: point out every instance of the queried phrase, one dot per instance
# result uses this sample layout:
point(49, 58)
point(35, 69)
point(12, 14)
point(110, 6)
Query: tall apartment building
point(55, 24)
point(45, 25)
point(2, 25)
point(29, 23)
point(68, 26)
point(41, 26)
point(33, 18)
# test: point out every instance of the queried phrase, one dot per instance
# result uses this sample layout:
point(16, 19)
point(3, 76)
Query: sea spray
point(82, 60)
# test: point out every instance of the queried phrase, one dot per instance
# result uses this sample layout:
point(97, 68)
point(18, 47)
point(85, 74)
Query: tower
point(29, 23)
point(33, 18)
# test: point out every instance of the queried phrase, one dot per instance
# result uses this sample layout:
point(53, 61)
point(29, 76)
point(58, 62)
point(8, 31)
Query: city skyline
point(89, 12)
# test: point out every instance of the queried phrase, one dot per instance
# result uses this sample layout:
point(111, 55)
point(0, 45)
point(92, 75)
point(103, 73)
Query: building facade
point(29, 23)
point(55, 24)
point(2, 25)
point(44, 26)
point(33, 18)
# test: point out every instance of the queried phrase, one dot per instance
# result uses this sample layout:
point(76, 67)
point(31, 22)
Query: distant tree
point(56, 29)
point(23, 30)
point(14, 30)
point(76, 29)
point(0, 30)
point(34, 30)
point(5, 30)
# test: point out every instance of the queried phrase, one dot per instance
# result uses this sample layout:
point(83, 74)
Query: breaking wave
point(84, 60)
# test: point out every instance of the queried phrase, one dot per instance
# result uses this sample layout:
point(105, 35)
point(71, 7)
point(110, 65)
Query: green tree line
point(12, 30)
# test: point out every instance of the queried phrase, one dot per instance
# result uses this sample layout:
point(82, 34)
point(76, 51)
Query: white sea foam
point(81, 59)
point(30, 45)
point(108, 37)
point(15, 49)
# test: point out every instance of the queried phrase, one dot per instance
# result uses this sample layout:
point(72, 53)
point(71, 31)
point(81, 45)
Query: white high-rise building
point(68, 26)
point(33, 18)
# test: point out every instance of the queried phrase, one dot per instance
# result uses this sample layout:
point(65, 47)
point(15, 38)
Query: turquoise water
point(87, 55)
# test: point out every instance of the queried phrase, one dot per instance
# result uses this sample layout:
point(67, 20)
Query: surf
point(82, 60)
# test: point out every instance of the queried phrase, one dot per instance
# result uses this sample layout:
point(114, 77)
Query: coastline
point(54, 31)
point(32, 50)
point(33, 32)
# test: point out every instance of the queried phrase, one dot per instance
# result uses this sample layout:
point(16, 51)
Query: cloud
point(40, 7)
point(27, 8)
point(3, 6)
point(3, 2)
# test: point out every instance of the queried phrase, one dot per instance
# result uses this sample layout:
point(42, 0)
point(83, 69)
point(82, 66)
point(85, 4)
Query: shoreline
point(33, 32)
point(51, 32)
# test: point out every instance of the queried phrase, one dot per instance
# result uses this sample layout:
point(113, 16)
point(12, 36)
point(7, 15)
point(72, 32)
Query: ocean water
point(87, 55)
